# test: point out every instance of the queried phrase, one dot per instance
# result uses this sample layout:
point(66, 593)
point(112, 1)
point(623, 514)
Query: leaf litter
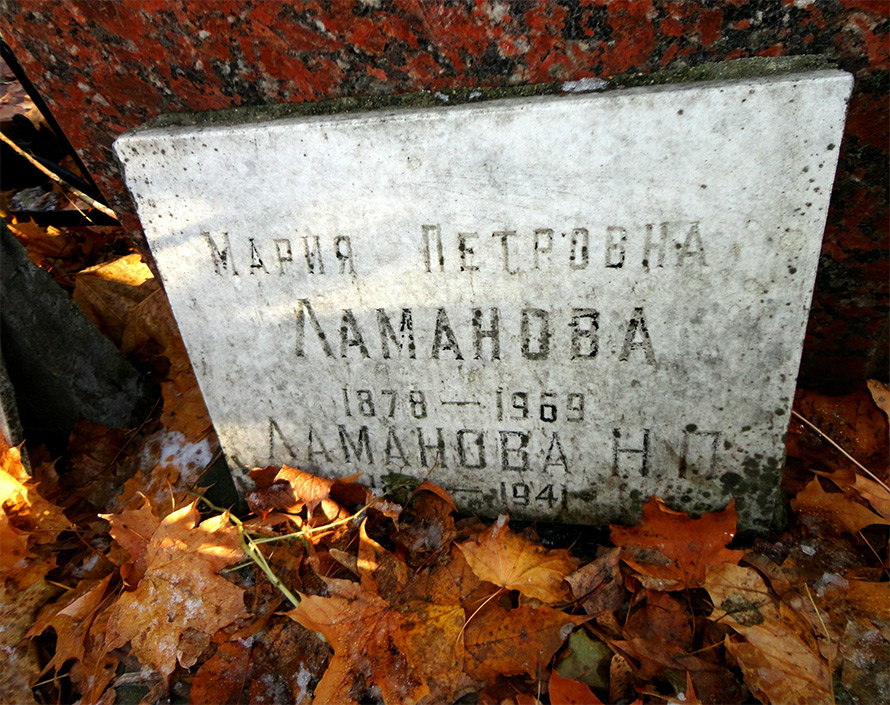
point(120, 584)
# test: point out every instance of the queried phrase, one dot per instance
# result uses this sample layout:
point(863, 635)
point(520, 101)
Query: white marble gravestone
point(554, 306)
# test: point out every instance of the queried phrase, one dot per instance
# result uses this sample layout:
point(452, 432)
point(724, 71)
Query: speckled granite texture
point(105, 67)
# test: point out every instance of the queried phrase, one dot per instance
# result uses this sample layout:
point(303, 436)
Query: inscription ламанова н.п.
point(562, 305)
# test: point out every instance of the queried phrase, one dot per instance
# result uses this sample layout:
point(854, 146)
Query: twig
point(303, 533)
point(234, 568)
point(827, 636)
point(59, 180)
point(250, 548)
point(877, 555)
point(846, 454)
point(475, 612)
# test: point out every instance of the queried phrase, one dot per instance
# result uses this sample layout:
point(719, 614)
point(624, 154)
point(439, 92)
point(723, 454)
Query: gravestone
point(555, 306)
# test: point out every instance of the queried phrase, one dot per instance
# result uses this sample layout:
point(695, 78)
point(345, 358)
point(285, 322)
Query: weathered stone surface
point(561, 304)
point(109, 66)
point(61, 367)
point(10, 425)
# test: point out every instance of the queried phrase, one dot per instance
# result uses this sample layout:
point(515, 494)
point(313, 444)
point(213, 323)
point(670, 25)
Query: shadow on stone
point(61, 367)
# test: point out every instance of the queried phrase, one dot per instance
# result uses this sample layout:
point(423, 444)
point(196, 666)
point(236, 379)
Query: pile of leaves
point(122, 583)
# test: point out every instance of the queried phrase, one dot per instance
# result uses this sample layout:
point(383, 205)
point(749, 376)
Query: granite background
point(106, 66)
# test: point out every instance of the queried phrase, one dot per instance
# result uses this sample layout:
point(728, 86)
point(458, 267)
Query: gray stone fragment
point(62, 368)
point(10, 425)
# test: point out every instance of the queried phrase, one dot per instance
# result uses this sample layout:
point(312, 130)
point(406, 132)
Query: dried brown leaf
point(670, 550)
point(513, 562)
point(182, 600)
point(834, 508)
point(505, 642)
point(107, 293)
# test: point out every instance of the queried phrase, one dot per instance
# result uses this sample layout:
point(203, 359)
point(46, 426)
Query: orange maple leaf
point(292, 489)
point(854, 484)
point(506, 642)
point(108, 292)
point(425, 523)
point(222, 678)
point(133, 529)
point(670, 551)
point(835, 508)
point(513, 562)
point(408, 644)
point(27, 520)
point(71, 618)
point(565, 691)
point(182, 600)
point(779, 658)
point(598, 585)
point(779, 666)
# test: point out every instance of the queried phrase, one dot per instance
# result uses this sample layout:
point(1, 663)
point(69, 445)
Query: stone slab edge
point(738, 69)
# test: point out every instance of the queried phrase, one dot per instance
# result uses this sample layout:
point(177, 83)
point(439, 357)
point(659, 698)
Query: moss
point(717, 71)
point(352, 104)
point(739, 69)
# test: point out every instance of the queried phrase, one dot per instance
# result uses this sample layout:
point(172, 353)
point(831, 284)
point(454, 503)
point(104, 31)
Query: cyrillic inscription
point(555, 306)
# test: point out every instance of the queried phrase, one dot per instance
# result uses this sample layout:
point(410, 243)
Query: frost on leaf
point(182, 600)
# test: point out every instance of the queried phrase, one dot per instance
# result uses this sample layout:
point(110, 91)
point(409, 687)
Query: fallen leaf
point(151, 332)
point(133, 529)
point(433, 488)
point(564, 691)
point(779, 666)
point(669, 550)
point(27, 521)
point(866, 662)
point(855, 484)
point(96, 669)
point(50, 248)
point(221, 679)
point(585, 659)
point(659, 636)
point(23, 503)
point(834, 508)
point(181, 601)
point(856, 615)
point(407, 644)
point(107, 293)
point(71, 619)
point(852, 421)
point(740, 594)
point(287, 663)
point(28, 526)
point(513, 562)
point(687, 696)
point(598, 584)
point(500, 641)
point(880, 393)
point(621, 679)
point(857, 599)
point(18, 608)
point(779, 658)
point(426, 523)
point(161, 486)
point(184, 408)
point(381, 571)
point(291, 490)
